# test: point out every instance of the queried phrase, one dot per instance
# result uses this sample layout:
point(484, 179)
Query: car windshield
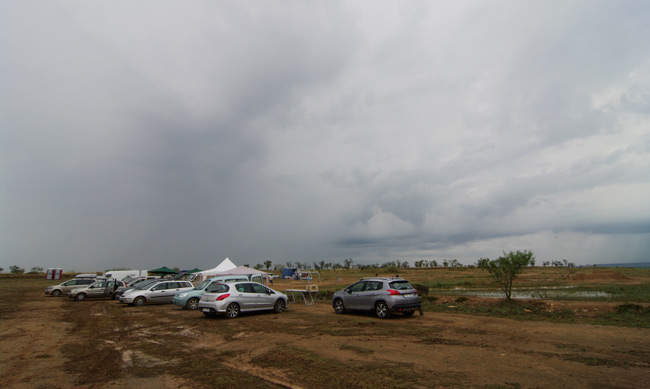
point(400, 285)
point(202, 285)
point(217, 288)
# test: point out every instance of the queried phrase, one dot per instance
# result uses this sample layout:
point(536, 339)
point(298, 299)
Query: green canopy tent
point(163, 271)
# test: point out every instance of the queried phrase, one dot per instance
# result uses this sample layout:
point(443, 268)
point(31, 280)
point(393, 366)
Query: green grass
point(301, 364)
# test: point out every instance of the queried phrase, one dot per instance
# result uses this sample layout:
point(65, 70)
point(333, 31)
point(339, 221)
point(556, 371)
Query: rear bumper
point(405, 307)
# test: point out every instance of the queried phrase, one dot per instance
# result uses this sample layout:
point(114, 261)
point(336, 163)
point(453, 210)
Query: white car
point(243, 296)
point(161, 292)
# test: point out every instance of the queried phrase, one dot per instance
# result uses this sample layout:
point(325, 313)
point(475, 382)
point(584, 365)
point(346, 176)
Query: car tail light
point(223, 297)
point(392, 292)
point(415, 291)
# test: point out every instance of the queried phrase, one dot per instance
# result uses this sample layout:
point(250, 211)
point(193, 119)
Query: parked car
point(99, 289)
point(244, 296)
point(383, 295)
point(135, 284)
point(67, 286)
point(159, 292)
point(190, 299)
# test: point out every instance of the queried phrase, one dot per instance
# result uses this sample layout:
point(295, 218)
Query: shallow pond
point(558, 292)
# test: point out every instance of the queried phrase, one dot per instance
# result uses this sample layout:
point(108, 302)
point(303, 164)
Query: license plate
point(206, 309)
point(407, 294)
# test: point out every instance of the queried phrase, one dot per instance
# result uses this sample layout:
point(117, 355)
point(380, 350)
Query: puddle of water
point(533, 293)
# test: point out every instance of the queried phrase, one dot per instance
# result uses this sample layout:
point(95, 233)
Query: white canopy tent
point(225, 265)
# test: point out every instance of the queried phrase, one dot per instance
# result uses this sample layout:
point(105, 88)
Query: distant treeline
point(632, 264)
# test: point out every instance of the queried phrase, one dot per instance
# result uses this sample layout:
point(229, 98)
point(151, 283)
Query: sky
point(136, 134)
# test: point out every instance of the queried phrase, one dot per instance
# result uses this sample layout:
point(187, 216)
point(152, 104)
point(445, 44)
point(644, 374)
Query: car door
point(108, 289)
point(353, 295)
point(172, 289)
point(264, 297)
point(245, 296)
point(97, 289)
point(68, 286)
point(366, 298)
point(158, 293)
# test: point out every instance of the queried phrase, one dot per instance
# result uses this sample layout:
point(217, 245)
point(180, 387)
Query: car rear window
point(400, 285)
point(217, 288)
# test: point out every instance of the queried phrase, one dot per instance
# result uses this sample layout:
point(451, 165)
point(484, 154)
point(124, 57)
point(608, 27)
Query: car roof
point(382, 279)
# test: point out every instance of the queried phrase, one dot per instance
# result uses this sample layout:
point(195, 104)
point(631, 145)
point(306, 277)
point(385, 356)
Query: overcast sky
point(147, 133)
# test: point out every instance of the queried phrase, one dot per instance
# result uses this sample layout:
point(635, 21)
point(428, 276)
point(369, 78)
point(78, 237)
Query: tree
point(16, 270)
point(2, 269)
point(36, 270)
point(506, 268)
point(268, 264)
point(348, 263)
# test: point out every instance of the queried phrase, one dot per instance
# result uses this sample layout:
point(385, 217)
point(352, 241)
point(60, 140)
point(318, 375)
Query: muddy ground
point(50, 342)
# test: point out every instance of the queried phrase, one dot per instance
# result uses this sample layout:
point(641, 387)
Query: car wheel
point(338, 306)
point(192, 304)
point(138, 302)
point(408, 313)
point(381, 310)
point(56, 293)
point(232, 311)
point(279, 306)
point(80, 297)
point(114, 296)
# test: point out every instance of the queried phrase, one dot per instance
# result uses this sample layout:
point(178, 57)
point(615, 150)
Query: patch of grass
point(626, 315)
point(356, 349)
point(593, 361)
point(440, 340)
point(507, 385)
point(514, 309)
point(300, 364)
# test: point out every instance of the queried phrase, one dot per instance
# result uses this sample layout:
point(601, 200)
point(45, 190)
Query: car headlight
point(181, 295)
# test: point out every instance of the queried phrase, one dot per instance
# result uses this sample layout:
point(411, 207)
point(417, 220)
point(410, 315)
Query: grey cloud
point(180, 133)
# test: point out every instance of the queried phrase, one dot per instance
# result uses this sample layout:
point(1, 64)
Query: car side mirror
point(347, 291)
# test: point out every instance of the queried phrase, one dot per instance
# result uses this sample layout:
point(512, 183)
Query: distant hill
point(633, 264)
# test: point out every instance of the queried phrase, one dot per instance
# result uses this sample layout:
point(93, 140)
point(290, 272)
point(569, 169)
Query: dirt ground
point(50, 342)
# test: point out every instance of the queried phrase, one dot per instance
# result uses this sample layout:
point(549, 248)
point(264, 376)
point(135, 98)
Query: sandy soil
point(442, 350)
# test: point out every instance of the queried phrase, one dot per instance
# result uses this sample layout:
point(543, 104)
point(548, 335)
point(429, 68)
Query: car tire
point(138, 302)
point(192, 304)
point(279, 306)
point(80, 297)
point(56, 293)
point(114, 296)
point(232, 311)
point(339, 307)
point(381, 310)
point(408, 313)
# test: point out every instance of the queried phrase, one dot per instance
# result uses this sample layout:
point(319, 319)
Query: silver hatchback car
point(243, 296)
point(383, 295)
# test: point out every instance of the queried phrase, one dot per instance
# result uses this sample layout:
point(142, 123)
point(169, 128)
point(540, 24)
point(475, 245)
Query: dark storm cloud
point(151, 133)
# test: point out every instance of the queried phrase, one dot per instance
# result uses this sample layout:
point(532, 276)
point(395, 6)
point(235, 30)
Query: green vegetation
point(506, 268)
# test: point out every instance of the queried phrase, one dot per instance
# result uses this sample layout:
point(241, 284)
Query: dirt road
point(56, 343)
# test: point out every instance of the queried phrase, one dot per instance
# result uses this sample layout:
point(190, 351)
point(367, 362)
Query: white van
point(122, 274)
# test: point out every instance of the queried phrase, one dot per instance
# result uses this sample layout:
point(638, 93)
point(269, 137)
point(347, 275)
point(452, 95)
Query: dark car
point(381, 295)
